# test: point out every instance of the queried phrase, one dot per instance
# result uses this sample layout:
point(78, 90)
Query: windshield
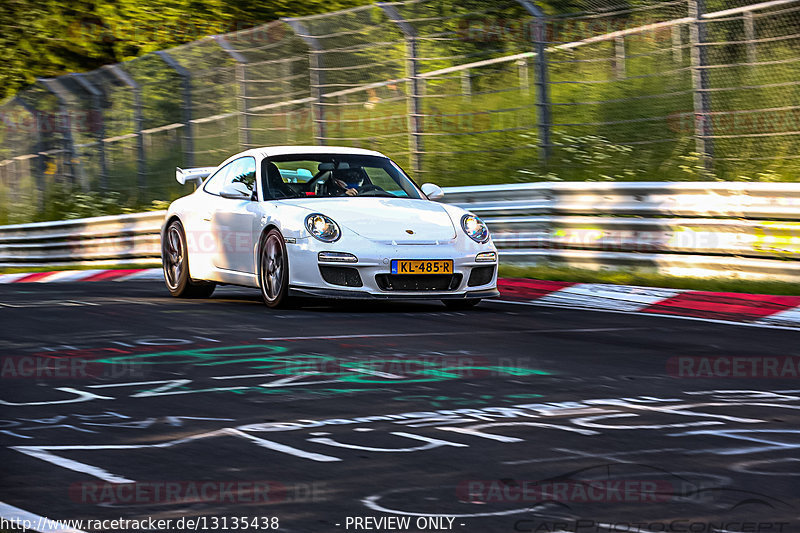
point(334, 175)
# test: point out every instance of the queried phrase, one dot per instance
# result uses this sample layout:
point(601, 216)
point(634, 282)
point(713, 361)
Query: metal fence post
point(677, 44)
point(123, 76)
point(524, 81)
point(466, 84)
point(97, 106)
point(39, 168)
point(55, 87)
point(541, 74)
point(316, 78)
point(701, 84)
point(186, 104)
point(241, 80)
point(750, 36)
point(415, 124)
point(287, 75)
point(619, 57)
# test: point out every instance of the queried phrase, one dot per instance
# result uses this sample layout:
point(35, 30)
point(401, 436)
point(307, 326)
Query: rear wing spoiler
point(193, 175)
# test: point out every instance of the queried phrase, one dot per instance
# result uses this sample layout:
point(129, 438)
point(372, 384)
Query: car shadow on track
point(236, 295)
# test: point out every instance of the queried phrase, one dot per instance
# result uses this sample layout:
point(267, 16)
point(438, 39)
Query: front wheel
point(175, 261)
point(274, 270)
point(467, 303)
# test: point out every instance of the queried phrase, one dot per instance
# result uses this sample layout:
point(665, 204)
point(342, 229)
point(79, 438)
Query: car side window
point(242, 170)
point(217, 181)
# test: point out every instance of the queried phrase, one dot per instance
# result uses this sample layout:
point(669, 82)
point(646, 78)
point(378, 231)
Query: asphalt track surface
point(389, 410)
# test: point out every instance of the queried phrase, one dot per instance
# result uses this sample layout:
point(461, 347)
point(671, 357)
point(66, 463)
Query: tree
point(43, 38)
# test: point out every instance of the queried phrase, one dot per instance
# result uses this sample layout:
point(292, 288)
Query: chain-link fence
point(458, 93)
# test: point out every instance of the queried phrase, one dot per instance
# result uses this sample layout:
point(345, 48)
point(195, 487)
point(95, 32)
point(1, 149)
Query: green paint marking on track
point(317, 369)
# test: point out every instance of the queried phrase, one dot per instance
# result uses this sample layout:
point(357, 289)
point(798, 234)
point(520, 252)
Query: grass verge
point(649, 279)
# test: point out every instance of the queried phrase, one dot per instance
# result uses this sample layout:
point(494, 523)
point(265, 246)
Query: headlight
point(475, 228)
point(322, 228)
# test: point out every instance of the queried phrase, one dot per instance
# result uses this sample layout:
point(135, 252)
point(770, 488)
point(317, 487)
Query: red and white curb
point(726, 307)
point(137, 274)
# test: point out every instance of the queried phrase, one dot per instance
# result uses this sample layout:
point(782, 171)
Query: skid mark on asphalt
point(447, 333)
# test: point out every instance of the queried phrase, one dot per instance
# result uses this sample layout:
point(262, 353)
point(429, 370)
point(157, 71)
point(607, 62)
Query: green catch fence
point(463, 93)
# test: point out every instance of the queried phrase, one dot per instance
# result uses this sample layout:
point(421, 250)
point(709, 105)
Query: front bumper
point(345, 294)
point(374, 259)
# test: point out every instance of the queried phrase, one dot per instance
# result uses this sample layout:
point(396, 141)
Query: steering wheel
point(365, 190)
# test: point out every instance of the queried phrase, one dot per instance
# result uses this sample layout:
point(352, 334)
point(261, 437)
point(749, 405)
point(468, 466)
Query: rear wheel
point(274, 270)
point(467, 303)
point(175, 261)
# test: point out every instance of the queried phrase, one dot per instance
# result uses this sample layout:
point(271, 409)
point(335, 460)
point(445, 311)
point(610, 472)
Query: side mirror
point(236, 191)
point(433, 192)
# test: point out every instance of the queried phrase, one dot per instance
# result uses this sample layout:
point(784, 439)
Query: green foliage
point(65, 204)
point(584, 155)
point(54, 37)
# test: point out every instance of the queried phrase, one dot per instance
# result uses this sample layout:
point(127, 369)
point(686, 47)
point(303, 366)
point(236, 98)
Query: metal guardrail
point(98, 241)
point(750, 230)
point(657, 199)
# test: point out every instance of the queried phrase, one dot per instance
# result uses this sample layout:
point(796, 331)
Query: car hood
point(386, 219)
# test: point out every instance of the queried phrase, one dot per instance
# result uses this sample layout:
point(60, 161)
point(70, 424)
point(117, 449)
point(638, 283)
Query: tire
point(175, 262)
point(467, 303)
point(273, 270)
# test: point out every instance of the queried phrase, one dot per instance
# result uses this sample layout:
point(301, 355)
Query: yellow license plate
point(422, 266)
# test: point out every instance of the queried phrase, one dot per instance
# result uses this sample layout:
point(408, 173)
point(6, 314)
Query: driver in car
point(348, 181)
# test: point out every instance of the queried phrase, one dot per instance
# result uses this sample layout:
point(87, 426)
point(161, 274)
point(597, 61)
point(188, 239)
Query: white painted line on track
point(39, 523)
point(243, 376)
point(135, 383)
point(376, 373)
point(270, 445)
point(660, 315)
point(44, 454)
point(604, 456)
point(443, 334)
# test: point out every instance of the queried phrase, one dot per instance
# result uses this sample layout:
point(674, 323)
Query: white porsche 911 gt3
point(323, 221)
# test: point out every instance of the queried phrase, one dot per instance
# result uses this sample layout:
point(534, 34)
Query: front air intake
point(424, 282)
point(480, 275)
point(345, 276)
